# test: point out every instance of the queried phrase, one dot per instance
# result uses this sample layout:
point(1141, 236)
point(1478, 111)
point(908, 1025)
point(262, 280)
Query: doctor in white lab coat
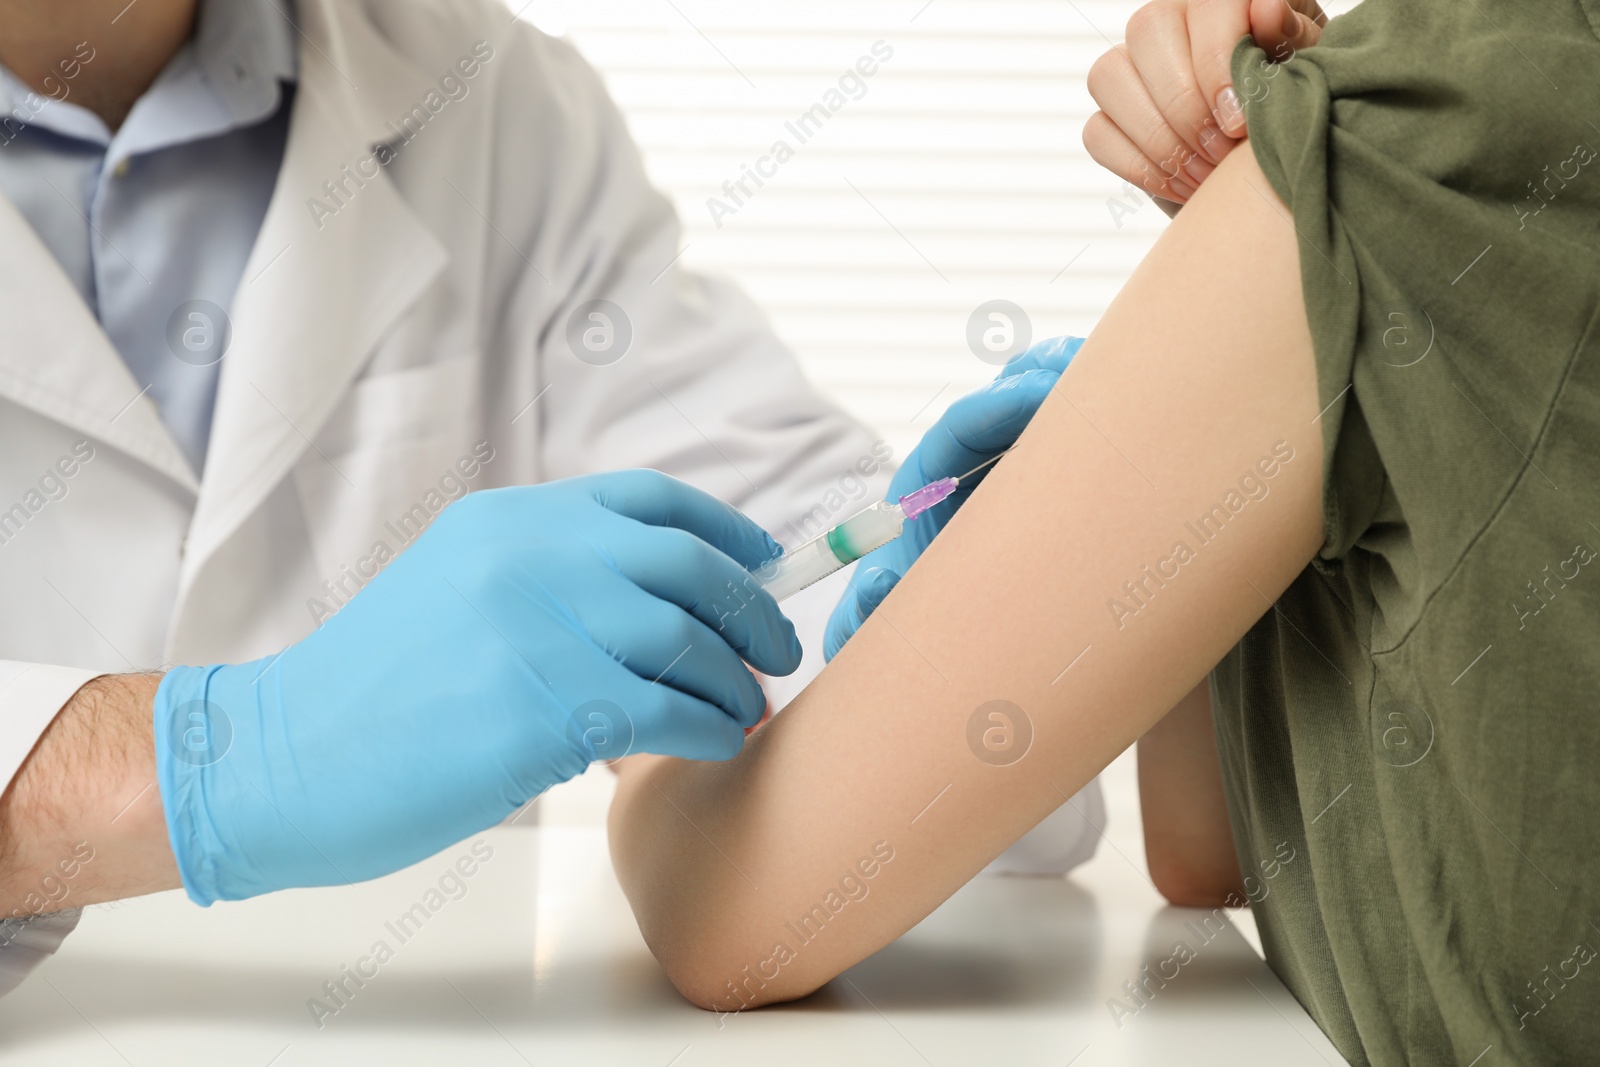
point(461, 281)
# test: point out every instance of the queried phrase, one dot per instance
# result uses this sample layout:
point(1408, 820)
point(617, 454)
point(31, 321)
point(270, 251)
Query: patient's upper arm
point(1090, 582)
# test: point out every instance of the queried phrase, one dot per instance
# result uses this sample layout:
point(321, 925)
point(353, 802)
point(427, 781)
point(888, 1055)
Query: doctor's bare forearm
point(81, 823)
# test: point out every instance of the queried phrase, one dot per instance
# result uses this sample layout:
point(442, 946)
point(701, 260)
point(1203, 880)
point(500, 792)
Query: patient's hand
point(1169, 113)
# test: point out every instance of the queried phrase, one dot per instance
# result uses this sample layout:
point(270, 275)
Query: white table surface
point(540, 963)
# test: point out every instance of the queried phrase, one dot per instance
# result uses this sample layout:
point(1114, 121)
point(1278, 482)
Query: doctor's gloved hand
point(975, 428)
point(527, 632)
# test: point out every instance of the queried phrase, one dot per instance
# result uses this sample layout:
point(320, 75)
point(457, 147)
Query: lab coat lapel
point(314, 300)
point(55, 358)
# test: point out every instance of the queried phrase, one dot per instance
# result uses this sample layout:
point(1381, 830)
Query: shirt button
point(121, 169)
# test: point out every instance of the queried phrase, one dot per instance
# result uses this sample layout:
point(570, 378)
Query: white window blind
point(952, 175)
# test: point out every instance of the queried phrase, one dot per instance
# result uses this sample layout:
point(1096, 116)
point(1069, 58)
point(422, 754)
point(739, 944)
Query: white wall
point(958, 177)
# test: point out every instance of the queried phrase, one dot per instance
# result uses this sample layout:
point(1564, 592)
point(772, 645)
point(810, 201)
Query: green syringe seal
point(839, 545)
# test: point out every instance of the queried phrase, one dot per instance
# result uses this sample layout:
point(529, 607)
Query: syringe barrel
point(839, 547)
point(866, 530)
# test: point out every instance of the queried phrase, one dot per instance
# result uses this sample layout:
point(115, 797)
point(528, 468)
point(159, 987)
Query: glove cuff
point(191, 735)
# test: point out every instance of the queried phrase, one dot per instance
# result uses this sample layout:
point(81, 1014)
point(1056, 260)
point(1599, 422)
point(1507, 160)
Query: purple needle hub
point(915, 503)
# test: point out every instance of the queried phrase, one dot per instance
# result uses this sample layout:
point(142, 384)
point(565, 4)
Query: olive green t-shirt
point(1420, 716)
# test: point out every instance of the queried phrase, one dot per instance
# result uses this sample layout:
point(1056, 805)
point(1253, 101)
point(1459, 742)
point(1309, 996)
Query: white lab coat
point(376, 351)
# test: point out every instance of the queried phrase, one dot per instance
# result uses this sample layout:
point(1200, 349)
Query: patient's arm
point(1187, 839)
point(1174, 397)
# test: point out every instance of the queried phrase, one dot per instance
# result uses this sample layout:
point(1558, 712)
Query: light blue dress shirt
point(154, 223)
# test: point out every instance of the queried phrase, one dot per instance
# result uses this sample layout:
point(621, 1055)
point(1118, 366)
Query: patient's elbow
point(711, 980)
point(722, 994)
point(1189, 885)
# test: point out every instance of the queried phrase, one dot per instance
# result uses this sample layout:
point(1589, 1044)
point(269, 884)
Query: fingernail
point(1198, 170)
point(1291, 22)
point(1215, 144)
point(1180, 187)
point(1230, 116)
point(1146, 183)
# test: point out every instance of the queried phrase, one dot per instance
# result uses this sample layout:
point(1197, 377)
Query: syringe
point(853, 538)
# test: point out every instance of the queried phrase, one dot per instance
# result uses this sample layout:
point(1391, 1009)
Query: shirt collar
point(232, 68)
point(245, 48)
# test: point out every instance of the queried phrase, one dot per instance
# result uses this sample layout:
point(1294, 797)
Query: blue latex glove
point(527, 632)
point(977, 427)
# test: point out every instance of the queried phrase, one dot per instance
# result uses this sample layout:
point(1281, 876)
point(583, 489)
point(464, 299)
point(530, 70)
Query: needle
point(982, 465)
